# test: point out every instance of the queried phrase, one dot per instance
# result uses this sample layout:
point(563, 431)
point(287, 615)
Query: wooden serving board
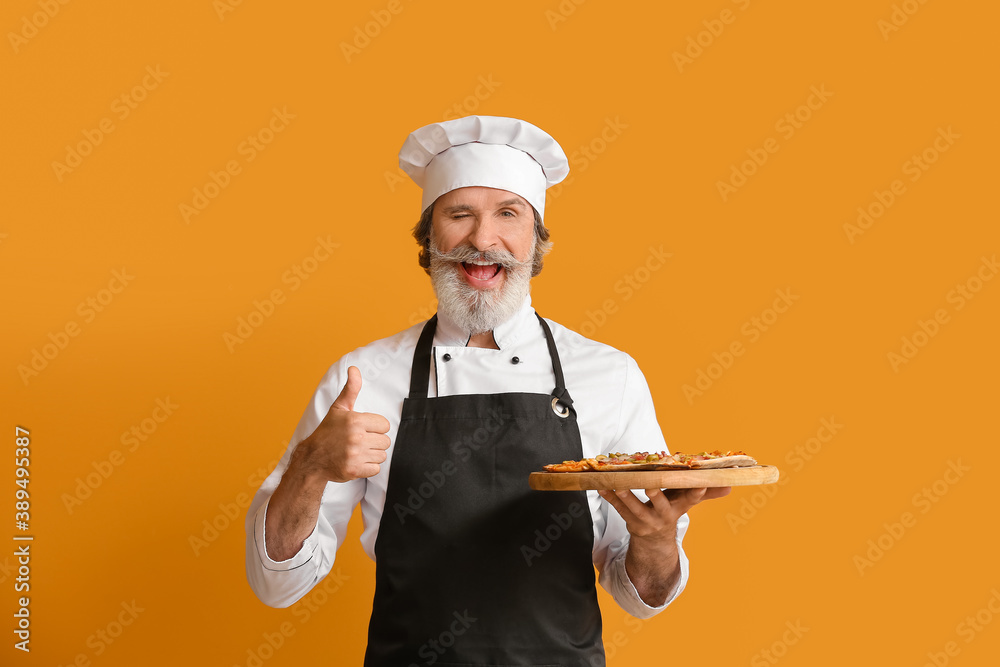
point(652, 479)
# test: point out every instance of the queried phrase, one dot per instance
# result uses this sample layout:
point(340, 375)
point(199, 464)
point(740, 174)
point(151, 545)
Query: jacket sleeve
point(610, 561)
point(281, 583)
point(637, 431)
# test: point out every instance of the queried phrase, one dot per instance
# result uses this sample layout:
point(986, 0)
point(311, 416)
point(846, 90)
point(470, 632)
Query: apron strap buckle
point(560, 407)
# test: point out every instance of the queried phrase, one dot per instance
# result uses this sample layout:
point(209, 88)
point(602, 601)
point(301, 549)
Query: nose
point(485, 234)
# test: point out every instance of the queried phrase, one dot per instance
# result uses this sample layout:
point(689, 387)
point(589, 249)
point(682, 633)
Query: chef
point(434, 431)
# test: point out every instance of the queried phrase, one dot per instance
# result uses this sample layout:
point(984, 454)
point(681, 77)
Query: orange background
point(331, 172)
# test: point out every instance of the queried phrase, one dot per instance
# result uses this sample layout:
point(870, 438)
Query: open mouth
point(481, 270)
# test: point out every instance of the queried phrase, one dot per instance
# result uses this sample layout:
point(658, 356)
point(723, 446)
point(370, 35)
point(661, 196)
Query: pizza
point(618, 462)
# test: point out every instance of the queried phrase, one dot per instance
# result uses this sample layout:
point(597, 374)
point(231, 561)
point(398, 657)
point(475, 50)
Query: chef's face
point(487, 220)
point(482, 246)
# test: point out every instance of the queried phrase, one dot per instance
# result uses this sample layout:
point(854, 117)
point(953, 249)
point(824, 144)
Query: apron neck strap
point(560, 391)
point(420, 372)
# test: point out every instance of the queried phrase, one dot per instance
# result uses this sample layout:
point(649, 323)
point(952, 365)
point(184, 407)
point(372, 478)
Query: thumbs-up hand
point(347, 444)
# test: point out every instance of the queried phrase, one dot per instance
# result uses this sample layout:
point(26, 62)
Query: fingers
point(692, 497)
point(630, 507)
point(367, 470)
point(350, 392)
point(616, 501)
point(377, 442)
point(374, 423)
point(375, 455)
point(662, 503)
point(688, 499)
point(362, 458)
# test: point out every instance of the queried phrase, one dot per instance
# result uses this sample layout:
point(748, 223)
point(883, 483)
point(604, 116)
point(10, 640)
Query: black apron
point(472, 566)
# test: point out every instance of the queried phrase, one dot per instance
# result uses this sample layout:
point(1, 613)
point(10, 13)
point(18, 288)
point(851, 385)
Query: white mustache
point(466, 253)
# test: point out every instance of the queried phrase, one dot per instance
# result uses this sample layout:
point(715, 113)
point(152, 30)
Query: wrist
point(303, 463)
point(301, 475)
point(653, 545)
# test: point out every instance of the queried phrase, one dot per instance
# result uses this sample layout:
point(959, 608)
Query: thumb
point(350, 392)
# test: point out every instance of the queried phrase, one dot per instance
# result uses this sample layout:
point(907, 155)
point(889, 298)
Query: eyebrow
point(468, 207)
point(457, 207)
point(513, 202)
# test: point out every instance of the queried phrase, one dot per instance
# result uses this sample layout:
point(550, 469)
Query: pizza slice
point(716, 459)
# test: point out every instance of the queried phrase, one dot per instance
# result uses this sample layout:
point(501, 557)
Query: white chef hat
point(488, 151)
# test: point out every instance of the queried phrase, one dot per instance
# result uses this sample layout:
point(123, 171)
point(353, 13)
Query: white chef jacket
point(614, 411)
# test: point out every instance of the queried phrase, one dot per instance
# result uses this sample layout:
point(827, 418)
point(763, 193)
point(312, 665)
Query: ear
point(422, 234)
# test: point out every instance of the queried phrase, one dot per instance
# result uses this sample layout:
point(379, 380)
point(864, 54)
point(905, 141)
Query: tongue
point(482, 272)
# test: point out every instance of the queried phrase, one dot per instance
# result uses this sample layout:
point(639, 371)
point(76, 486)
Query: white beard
point(474, 310)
